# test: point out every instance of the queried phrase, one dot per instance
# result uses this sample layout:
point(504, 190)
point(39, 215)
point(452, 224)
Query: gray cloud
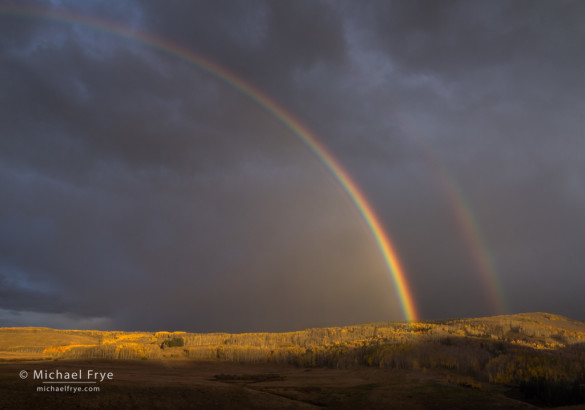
point(140, 192)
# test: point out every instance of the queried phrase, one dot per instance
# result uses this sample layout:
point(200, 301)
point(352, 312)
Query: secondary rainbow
point(474, 240)
point(468, 226)
point(383, 240)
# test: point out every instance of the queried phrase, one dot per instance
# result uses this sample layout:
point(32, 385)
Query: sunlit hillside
point(537, 331)
point(542, 354)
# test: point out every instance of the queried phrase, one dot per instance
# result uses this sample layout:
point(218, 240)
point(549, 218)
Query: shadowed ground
point(218, 385)
point(514, 361)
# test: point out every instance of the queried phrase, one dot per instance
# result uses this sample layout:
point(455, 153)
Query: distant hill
point(541, 331)
point(541, 354)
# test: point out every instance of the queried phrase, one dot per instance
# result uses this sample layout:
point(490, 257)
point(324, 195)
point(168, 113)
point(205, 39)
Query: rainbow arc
point(383, 240)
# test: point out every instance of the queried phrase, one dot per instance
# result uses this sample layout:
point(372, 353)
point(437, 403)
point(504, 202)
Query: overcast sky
point(139, 192)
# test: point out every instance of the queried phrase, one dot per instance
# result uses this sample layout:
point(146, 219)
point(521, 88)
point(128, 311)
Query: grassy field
point(516, 361)
point(225, 385)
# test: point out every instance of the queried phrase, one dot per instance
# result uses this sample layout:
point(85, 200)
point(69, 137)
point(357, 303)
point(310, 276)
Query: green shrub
point(174, 342)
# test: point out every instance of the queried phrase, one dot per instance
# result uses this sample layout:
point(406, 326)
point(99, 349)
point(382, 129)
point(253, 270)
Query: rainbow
point(468, 226)
point(474, 240)
point(383, 241)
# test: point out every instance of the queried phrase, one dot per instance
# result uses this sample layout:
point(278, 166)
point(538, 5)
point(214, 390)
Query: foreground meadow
point(516, 361)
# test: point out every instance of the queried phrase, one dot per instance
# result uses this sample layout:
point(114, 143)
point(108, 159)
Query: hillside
point(540, 356)
point(538, 331)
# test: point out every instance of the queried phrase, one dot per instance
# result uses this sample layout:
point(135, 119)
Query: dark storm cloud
point(139, 192)
point(144, 191)
point(490, 90)
point(493, 89)
point(264, 41)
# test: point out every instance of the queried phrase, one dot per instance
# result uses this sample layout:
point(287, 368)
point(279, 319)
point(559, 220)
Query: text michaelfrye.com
point(67, 381)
